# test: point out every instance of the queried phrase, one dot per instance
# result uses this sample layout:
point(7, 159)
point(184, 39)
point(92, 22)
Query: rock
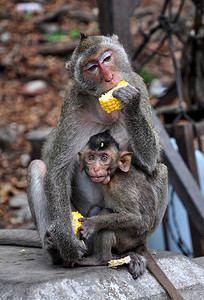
point(2, 224)
point(29, 225)
point(36, 1)
point(25, 274)
point(35, 87)
point(25, 160)
point(38, 134)
point(19, 128)
point(157, 88)
point(36, 138)
point(28, 7)
point(48, 28)
point(18, 201)
point(7, 136)
point(5, 37)
point(22, 213)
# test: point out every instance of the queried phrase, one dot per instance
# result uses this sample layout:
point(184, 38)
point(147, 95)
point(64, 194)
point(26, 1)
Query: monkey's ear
point(80, 160)
point(69, 67)
point(124, 161)
point(83, 36)
point(115, 37)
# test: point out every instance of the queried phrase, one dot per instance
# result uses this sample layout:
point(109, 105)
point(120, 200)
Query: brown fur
point(63, 188)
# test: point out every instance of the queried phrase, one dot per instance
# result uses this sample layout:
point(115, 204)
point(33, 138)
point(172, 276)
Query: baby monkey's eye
point(104, 157)
point(91, 157)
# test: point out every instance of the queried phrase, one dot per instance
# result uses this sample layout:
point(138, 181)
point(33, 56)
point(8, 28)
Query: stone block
point(25, 274)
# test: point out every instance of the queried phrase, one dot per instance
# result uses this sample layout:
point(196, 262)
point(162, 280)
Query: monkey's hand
point(87, 228)
point(126, 94)
point(70, 248)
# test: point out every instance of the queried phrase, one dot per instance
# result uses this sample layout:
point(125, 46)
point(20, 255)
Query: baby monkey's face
point(98, 166)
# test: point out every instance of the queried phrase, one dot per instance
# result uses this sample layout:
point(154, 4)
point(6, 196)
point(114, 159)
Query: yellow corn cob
point(108, 102)
point(119, 262)
point(75, 223)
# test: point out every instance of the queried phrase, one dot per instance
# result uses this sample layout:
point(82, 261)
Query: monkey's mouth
point(98, 179)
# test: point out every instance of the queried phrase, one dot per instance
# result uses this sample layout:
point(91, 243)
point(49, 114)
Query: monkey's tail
point(20, 237)
point(154, 268)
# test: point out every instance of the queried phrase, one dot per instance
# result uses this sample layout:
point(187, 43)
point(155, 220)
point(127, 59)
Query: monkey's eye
point(91, 157)
point(104, 157)
point(91, 67)
point(106, 57)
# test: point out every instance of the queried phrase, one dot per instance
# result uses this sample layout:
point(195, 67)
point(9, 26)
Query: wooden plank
point(200, 128)
point(182, 180)
point(184, 135)
point(105, 20)
point(114, 17)
point(133, 4)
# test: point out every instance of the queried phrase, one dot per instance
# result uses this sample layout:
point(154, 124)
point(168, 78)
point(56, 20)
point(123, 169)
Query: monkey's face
point(99, 166)
point(101, 70)
point(98, 64)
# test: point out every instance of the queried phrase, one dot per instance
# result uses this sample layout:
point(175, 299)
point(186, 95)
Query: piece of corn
point(119, 262)
point(75, 221)
point(108, 102)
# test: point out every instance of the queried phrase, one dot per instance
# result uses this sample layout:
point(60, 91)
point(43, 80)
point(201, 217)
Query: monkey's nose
point(106, 73)
point(96, 171)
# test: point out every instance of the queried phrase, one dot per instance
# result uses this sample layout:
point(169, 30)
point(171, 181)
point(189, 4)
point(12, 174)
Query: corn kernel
point(75, 221)
point(119, 262)
point(108, 102)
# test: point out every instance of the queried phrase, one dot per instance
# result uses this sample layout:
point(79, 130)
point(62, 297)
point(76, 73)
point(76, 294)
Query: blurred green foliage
point(147, 75)
point(74, 33)
point(56, 36)
point(53, 37)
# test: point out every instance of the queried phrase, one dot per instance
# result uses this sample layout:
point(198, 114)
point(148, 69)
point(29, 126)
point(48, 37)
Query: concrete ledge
point(199, 261)
point(25, 274)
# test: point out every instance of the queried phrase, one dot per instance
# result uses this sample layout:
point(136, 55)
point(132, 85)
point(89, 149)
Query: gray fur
point(53, 195)
point(134, 207)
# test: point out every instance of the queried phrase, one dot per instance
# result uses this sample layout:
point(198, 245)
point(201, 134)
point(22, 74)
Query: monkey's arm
point(57, 182)
point(114, 221)
point(136, 109)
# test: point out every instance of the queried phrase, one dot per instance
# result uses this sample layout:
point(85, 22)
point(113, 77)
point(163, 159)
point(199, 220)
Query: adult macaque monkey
point(134, 205)
point(55, 183)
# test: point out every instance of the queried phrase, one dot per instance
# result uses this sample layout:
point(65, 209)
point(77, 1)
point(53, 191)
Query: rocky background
point(35, 42)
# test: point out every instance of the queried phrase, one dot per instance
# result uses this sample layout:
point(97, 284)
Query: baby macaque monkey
point(129, 215)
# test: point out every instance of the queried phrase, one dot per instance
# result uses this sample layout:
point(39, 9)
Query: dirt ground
point(21, 61)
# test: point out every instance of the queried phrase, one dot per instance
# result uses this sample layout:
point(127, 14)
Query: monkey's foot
point(137, 265)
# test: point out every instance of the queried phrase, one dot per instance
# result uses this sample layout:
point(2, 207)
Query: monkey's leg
point(103, 243)
point(137, 265)
point(131, 245)
point(38, 206)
